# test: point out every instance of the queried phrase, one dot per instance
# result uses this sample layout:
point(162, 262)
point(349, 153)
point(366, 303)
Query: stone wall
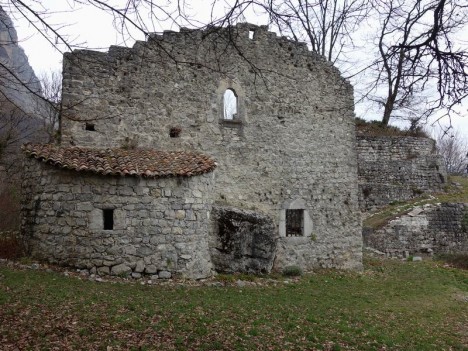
point(397, 169)
point(159, 227)
point(292, 140)
point(431, 228)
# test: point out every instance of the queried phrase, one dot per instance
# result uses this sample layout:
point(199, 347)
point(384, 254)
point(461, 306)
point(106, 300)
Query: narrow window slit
point(108, 218)
point(251, 34)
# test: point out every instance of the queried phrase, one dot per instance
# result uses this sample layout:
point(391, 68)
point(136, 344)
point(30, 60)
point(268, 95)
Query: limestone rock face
point(245, 241)
point(22, 110)
point(17, 78)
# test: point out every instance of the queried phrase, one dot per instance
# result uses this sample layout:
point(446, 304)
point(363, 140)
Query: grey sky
point(88, 27)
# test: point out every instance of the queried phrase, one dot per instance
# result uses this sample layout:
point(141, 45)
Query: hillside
point(456, 192)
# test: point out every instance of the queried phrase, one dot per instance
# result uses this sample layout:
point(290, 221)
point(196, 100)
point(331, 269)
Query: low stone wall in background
point(427, 229)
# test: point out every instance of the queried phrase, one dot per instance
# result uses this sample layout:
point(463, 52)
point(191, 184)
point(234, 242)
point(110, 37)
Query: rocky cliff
point(22, 110)
point(18, 83)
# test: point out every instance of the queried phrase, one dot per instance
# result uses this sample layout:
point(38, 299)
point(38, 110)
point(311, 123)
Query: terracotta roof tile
point(133, 162)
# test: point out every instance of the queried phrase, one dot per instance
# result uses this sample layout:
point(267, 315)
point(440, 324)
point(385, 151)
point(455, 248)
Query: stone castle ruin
point(397, 168)
point(228, 149)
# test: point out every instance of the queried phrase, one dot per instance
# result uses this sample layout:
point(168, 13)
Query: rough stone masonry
point(287, 158)
point(396, 168)
point(427, 229)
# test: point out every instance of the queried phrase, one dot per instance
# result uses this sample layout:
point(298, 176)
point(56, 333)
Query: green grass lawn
point(392, 305)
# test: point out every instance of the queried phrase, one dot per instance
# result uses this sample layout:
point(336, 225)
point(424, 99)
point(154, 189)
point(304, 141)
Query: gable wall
point(295, 141)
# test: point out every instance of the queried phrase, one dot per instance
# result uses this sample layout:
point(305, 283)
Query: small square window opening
point(90, 127)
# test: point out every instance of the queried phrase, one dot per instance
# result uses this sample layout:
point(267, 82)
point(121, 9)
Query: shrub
point(376, 128)
point(292, 271)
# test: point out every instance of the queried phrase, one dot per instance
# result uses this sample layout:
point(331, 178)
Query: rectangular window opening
point(90, 127)
point(251, 34)
point(108, 217)
point(294, 222)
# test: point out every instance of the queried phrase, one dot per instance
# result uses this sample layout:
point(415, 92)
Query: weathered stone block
point(104, 270)
point(164, 275)
point(121, 269)
point(180, 214)
point(150, 269)
point(244, 241)
point(139, 267)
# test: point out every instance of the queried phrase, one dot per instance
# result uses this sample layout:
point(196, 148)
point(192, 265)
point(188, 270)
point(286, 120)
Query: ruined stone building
point(397, 168)
point(228, 149)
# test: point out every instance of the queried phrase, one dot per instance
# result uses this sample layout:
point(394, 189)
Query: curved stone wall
point(158, 225)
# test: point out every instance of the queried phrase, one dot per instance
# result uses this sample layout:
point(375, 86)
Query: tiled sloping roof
point(135, 162)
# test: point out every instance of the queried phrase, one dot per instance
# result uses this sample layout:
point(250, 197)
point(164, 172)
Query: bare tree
point(421, 69)
point(326, 25)
point(52, 91)
point(454, 150)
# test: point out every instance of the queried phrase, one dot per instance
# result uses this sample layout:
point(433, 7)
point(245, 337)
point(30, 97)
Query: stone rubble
point(427, 229)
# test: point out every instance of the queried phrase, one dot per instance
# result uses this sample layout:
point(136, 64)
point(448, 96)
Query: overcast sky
point(89, 27)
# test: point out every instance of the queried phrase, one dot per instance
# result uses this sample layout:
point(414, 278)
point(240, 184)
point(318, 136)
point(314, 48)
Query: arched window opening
point(230, 104)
